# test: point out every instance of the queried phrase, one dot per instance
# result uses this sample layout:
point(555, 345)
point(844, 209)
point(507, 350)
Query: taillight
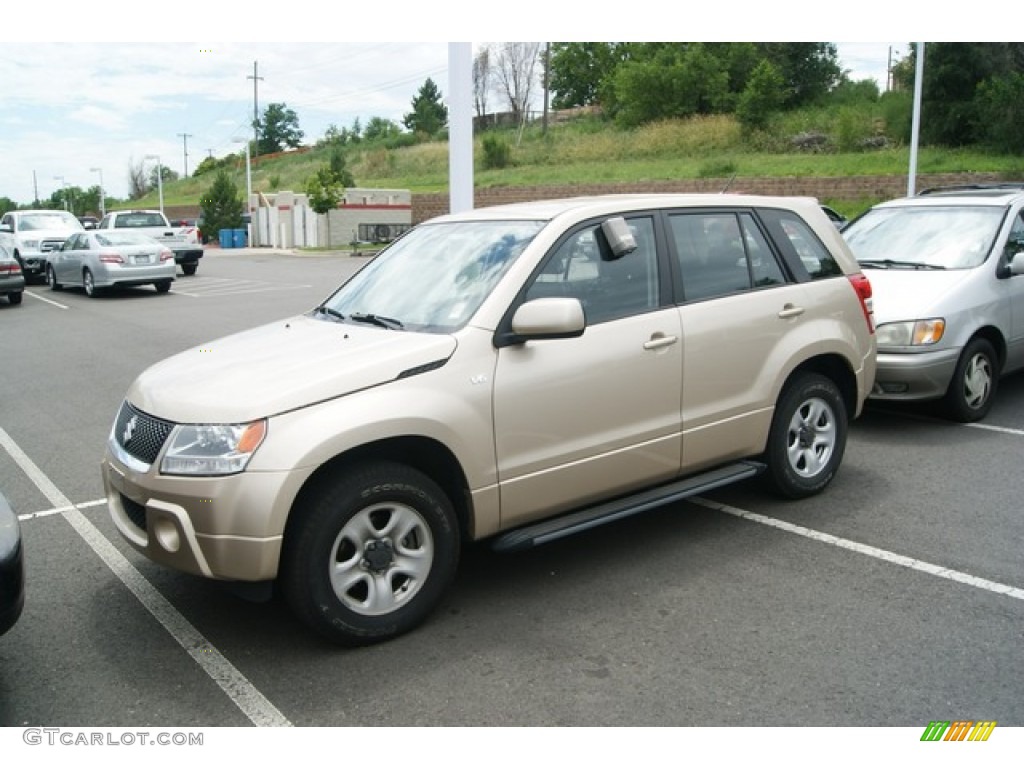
point(14, 268)
point(166, 255)
point(111, 258)
point(862, 286)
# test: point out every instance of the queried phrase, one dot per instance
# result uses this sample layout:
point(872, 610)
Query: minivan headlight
point(212, 449)
point(911, 334)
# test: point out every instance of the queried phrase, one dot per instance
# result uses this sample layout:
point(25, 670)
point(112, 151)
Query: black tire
point(90, 286)
point(189, 269)
point(51, 278)
point(975, 380)
point(14, 298)
point(808, 436)
point(163, 286)
point(342, 531)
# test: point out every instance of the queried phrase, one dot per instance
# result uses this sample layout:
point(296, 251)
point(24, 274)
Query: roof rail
point(1008, 185)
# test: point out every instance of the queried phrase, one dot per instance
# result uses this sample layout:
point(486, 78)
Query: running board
point(591, 517)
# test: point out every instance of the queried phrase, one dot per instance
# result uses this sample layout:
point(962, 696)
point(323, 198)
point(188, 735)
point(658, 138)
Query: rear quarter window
point(805, 255)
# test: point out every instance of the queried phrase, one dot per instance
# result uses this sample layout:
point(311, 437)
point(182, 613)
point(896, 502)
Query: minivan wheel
point(370, 554)
point(808, 436)
point(970, 393)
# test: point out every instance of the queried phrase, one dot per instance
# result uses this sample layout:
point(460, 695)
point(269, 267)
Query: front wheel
point(51, 278)
point(808, 436)
point(370, 554)
point(970, 393)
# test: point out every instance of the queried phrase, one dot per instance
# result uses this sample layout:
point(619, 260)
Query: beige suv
point(516, 374)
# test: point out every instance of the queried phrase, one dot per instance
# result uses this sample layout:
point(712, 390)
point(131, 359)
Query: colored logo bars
point(958, 730)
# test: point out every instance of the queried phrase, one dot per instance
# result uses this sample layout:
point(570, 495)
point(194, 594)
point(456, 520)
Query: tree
point(278, 129)
point(514, 72)
point(137, 183)
point(380, 128)
point(481, 80)
point(166, 175)
point(999, 108)
point(222, 205)
point(428, 114)
point(325, 191)
point(765, 93)
point(578, 71)
point(337, 168)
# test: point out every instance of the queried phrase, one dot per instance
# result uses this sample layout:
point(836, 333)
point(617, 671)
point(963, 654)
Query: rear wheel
point(371, 554)
point(808, 436)
point(14, 298)
point(89, 284)
point(163, 286)
point(970, 393)
point(189, 269)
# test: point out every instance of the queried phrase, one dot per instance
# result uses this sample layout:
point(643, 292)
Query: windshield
point(41, 221)
point(435, 277)
point(942, 237)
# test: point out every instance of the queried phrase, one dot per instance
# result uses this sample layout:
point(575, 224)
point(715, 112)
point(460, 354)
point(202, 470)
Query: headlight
point(911, 334)
point(212, 449)
point(31, 245)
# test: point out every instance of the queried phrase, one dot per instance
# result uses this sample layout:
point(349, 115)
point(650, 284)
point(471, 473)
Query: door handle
point(659, 341)
point(789, 311)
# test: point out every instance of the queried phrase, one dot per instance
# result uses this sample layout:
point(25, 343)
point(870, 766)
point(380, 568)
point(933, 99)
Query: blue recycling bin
point(238, 238)
point(227, 238)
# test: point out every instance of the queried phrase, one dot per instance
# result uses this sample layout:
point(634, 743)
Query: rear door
point(584, 418)
point(739, 312)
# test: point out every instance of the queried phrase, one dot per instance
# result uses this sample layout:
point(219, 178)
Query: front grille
point(139, 434)
point(49, 246)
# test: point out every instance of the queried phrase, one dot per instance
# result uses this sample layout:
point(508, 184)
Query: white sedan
point(96, 260)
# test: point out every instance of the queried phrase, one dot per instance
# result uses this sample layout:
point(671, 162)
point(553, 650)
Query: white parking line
point(244, 694)
point(48, 301)
point(993, 428)
point(864, 549)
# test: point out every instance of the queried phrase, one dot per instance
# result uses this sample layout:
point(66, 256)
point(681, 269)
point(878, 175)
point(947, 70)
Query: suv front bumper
point(218, 527)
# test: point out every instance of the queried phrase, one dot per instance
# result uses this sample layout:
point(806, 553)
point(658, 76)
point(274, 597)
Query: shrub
point(497, 152)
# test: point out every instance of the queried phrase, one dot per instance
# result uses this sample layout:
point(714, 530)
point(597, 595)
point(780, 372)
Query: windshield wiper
point(324, 310)
point(890, 263)
point(383, 322)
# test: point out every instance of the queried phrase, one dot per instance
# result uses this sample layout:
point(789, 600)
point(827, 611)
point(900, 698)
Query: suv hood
point(914, 294)
point(279, 367)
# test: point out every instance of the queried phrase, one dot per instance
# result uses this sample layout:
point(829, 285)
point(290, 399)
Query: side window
point(722, 253)
point(1015, 240)
point(607, 289)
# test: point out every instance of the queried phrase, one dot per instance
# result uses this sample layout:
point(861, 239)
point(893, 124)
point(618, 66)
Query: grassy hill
point(591, 151)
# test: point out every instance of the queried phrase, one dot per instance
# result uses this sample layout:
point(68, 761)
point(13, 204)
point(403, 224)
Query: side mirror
point(550, 318)
point(6, 228)
point(618, 236)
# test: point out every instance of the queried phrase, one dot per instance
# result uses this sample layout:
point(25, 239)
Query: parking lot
point(894, 599)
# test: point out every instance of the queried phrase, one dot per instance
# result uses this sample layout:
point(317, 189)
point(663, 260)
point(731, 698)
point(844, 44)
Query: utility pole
point(184, 137)
point(255, 106)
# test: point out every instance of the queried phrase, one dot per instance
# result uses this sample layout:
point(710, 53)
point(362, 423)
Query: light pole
point(63, 193)
point(248, 187)
point(159, 179)
point(103, 195)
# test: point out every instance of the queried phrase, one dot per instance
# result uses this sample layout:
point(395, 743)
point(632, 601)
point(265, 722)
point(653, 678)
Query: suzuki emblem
point(129, 429)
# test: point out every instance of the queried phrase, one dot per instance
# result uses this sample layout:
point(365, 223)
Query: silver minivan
point(946, 273)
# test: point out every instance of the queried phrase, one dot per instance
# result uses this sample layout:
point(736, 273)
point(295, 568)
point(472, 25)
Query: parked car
point(97, 259)
point(12, 567)
point(567, 363)
point(89, 222)
point(946, 270)
point(12, 281)
point(33, 235)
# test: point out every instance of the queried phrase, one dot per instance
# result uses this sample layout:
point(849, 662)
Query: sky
point(82, 113)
